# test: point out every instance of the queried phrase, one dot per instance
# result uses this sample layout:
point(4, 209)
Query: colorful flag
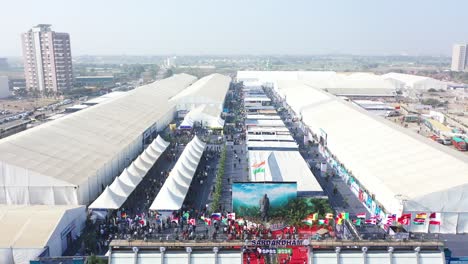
point(434, 219)
point(357, 222)
point(313, 216)
point(392, 217)
point(256, 165)
point(207, 221)
point(421, 215)
point(192, 221)
point(259, 170)
point(308, 221)
point(389, 219)
point(344, 215)
point(339, 221)
point(329, 216)
point(361, 215)
point(371, 221)
point(419, 221)
point(323, 221)
point(216, 216)
point(231, 216)
point(404, 219)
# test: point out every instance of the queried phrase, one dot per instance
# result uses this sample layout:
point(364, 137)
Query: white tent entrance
point(175, 188)
point(115, 195)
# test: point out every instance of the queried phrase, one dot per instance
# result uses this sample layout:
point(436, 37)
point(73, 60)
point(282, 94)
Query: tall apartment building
point(460, 57)
point(47, 59)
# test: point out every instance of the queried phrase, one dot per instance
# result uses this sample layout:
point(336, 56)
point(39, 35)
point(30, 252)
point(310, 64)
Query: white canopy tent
point(120, 188)
point(172, 194)
point(207, 116)
point(108, 200)
point(129, 179)
point(117, 193)
point(284, 166)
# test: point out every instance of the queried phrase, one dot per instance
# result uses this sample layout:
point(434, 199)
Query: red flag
point(404, 219)
point(434, 219)
point(192, 221)
point(371, 221)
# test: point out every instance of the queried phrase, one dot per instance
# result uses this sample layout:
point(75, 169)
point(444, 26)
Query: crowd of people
point(135, 221)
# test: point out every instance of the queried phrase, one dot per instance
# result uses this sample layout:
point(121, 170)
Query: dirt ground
point(420, 129)
point(25, 104)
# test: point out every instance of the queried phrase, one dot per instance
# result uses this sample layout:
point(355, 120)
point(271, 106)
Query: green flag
point(358, 222)
point(258, 170)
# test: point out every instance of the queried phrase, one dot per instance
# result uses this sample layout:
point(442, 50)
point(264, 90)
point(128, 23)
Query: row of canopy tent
point(114, 196)
point(208, 116)
point(175, 188)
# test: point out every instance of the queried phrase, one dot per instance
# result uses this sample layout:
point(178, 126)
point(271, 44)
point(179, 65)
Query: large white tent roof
point(356, 83)
point(71, 149)
point(27, 230)
point(175, 188)
point(387, 159)
point(408, 79)
point(273, 76)
point(211, 88)
point(284, 166)
point(415, 81)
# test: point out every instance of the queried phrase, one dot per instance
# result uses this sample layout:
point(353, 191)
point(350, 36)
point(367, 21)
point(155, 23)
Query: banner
point(258, 199)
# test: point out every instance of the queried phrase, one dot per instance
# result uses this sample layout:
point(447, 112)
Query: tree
point(432, 102)
point(94, 260)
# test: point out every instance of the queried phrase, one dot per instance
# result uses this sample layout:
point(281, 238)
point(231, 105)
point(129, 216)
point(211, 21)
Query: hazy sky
point(153, 27)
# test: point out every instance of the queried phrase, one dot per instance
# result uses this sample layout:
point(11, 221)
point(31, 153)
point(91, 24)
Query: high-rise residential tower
point(47, 59)
point(460, 57)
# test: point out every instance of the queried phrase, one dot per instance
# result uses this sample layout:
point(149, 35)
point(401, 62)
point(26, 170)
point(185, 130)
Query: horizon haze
point(242, 27)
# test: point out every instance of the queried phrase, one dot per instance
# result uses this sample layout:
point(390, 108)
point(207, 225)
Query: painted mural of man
point(264, 207)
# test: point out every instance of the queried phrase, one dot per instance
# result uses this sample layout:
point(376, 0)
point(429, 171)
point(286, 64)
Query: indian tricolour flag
point(258, 167)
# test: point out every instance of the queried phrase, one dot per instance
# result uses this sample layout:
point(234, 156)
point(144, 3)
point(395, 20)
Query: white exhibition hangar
point(386, 160)
point(56, 169)
point(67, 161)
